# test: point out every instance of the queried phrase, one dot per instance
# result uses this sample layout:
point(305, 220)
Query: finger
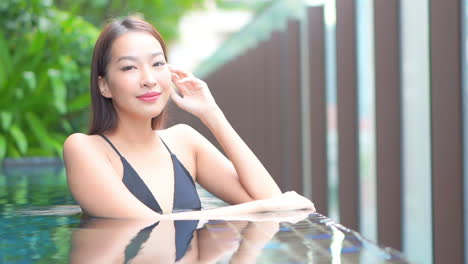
point(196, 83)
point(188, 79)
point(175, 76)
point(180, 72)
point(176, 88)
point(182, 86)
point(189, 87)
point(176, 97)
point(184, 90)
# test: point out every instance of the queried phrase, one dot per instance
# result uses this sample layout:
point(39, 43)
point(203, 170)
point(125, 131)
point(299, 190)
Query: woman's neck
point(136, 133)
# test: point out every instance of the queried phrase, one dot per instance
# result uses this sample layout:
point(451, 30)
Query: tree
point(45, 55)
point(163, 14)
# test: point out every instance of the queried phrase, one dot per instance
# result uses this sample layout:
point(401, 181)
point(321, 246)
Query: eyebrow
point(134, 58)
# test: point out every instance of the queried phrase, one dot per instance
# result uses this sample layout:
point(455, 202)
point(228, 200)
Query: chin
point(154, 114)
point(154, 110)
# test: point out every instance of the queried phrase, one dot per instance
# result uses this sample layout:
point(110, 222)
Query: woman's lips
point(149, 97)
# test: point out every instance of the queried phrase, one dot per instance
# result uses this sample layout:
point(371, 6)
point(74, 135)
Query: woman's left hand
point(196, 97)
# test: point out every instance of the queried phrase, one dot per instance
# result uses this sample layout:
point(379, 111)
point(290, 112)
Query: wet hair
point(103, 114)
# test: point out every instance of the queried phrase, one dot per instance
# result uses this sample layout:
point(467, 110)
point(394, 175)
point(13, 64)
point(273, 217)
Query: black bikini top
point(185, 193)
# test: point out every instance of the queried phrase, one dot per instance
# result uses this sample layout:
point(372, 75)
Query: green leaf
point(38, 152)
point(59, 90)
point(30, 79)
point(38, 42)
point(42, 85)
point(3, 147)
point(5, 61)
point(57, 147)
point(19, 94)
point(38, 128)
point(20, 139)
point(67, 126)
point(79, 103)
point(55, 141)
point(6, 118)
point(19, 56)
point(13, 152)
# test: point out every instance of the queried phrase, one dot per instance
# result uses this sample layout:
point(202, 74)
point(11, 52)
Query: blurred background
point(359, 105)
point(46, 49)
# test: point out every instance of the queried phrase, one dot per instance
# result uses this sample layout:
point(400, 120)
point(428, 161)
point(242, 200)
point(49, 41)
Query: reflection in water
point(50, 235)
point(336, 245)
point(183, 241)
point(40, 223)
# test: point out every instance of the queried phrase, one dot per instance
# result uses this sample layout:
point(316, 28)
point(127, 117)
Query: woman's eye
point(159, 63)
point(127, 68)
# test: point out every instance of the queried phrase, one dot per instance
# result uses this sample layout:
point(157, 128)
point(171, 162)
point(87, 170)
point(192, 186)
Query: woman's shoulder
point(80, 139)
point(80, 142)
point(183, 134)
point(180, 131)
point(81, 151)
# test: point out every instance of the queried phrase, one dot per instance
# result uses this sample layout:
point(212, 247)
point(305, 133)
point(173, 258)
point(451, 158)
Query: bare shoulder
point(186, 140)
point(73, 142)
point(80, 142)
point(75, 139)
point(183, 132)
point(182, 129)
point(79, 148)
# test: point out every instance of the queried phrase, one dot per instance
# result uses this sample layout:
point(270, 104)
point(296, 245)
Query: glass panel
point(366, 104)
point(416, 131)
point(465, 115)
point(305, 105)
point(332, 132)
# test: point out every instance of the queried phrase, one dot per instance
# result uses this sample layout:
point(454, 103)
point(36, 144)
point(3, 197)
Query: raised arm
point(239, 178)
point(252, 175)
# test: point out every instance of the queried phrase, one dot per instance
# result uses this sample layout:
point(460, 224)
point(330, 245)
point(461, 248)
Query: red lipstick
point(149, 97)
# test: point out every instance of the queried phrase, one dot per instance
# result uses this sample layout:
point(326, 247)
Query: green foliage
point(242, 4)
point(163, 14)
point(45, 55)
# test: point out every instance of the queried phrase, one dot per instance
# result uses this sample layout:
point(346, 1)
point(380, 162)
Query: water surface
point(41, 223)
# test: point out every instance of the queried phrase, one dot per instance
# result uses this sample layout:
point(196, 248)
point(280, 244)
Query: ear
point(104, 87)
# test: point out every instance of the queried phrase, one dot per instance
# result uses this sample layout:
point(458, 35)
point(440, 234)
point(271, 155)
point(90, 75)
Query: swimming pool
point(40, 223)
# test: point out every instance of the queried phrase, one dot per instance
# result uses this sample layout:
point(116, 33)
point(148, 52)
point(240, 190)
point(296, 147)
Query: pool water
point(41, 223)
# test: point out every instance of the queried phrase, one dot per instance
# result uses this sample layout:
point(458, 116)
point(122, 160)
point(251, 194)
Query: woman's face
point(138, 78)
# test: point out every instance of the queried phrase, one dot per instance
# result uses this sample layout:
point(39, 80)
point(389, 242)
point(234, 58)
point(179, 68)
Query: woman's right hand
point(288, 201)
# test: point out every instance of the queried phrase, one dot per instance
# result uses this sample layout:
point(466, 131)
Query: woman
point(127, 166)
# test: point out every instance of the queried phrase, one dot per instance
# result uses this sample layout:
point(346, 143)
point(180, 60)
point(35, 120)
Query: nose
point(148, 78)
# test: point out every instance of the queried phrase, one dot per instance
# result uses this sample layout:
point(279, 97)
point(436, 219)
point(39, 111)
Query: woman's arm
point(285, 202)
point(238, 179)
point(95, 186)
point(253, 176)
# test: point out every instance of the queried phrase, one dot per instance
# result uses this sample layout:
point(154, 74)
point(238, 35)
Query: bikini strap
point(110, 143)
point(165, 145)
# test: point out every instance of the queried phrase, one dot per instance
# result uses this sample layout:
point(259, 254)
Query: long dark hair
point(103, 114)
